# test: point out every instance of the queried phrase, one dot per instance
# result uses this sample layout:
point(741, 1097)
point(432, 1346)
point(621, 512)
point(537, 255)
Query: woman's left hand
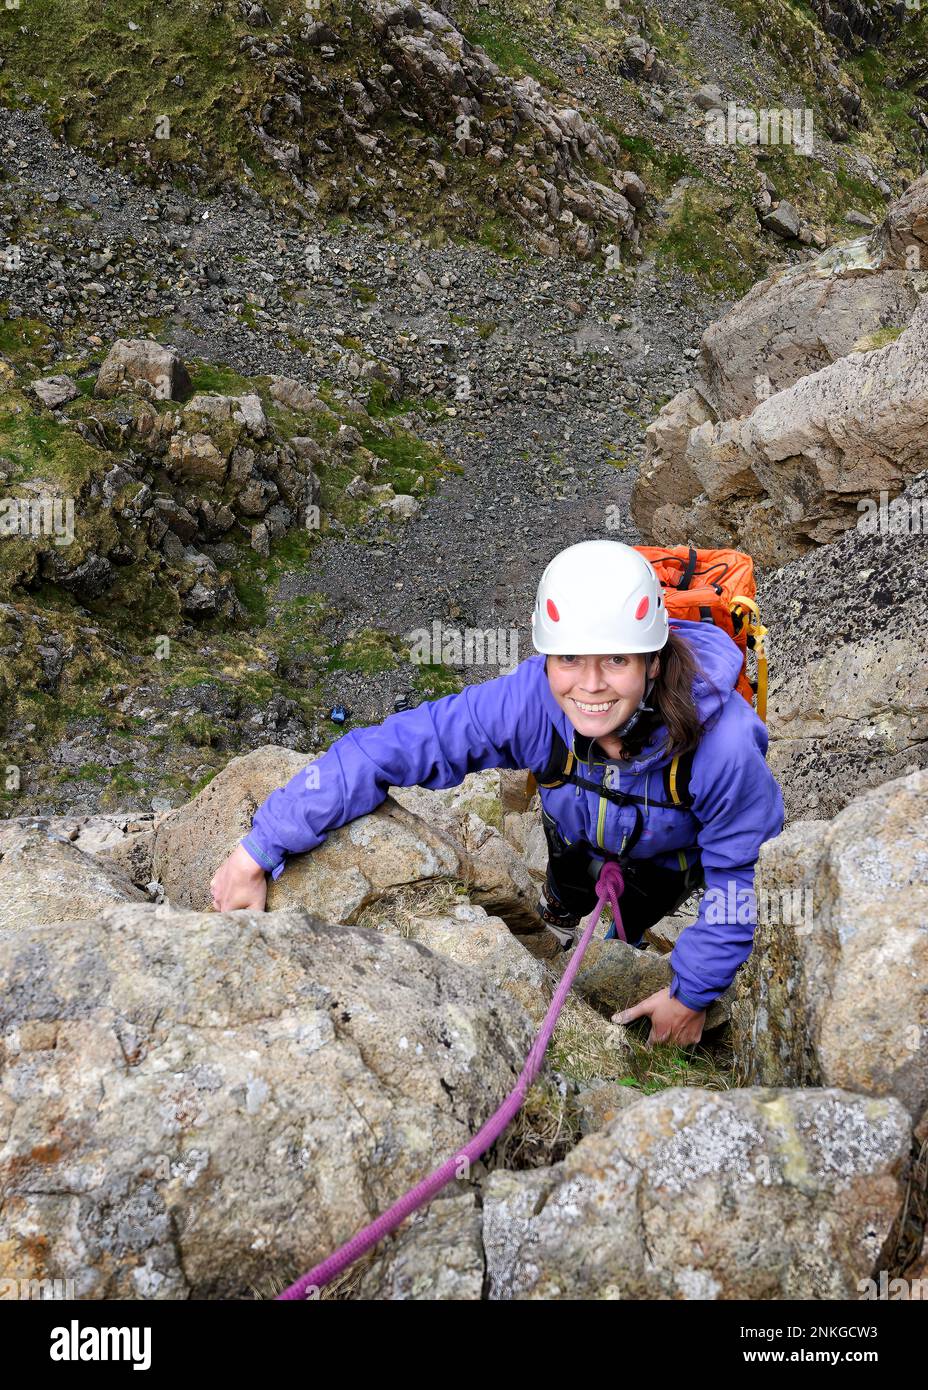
point(671, 1021)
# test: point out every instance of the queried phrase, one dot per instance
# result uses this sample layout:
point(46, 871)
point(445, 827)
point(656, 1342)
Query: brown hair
point(672, 698)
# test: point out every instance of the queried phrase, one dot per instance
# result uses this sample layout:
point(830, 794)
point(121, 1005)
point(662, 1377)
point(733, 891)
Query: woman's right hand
point(239, 882)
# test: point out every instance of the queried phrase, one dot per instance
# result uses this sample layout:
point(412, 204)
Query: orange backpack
point(716, 586)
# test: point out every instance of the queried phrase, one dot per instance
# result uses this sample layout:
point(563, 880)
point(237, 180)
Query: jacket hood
point(719, 660)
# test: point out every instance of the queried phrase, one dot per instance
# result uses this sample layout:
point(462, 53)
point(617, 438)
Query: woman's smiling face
point(598, 693)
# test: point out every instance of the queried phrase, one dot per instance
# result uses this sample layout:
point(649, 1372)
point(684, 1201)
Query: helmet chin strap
point(643, 708)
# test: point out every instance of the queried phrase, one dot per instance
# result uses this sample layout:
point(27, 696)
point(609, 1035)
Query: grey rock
point(145, 368)
point(54, 391)
point(783, 220)
point(215, 1134)
point(833, 992)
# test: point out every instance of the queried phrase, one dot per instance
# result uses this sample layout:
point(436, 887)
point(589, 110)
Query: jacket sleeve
point(738, 804)
point(497, 723)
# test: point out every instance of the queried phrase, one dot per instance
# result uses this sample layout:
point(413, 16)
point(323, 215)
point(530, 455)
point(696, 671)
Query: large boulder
point(144, 368)
point(587, 1039)
point(753, 1194)
point(687, 1194)
point(810, 393)
point(195, 1104)
point(469, 935)
point(414, 835)
point(835, 992)
point(471, 815)
point(902, 237)
point(118, 840)
point(245, 411)
point(666, 477)
point(436, 1256)
point(791, 474)
point(195, 458)
point(799, 320)
point(526, 833)
point(848, 700)
point(361, 861)
point(192, 842)
point(46, 878)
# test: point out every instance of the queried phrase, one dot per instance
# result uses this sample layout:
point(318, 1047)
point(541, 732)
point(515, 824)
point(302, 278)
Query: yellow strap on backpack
point(758, 632)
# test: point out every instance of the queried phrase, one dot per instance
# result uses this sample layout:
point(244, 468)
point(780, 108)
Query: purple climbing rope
point(609, 887)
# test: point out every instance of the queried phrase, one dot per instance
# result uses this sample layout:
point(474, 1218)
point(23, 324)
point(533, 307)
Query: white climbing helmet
point(599, 597)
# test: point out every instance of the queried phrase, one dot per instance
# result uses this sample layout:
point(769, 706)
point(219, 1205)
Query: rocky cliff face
point(256, 1113)
point(799, 411)
point(322, 328)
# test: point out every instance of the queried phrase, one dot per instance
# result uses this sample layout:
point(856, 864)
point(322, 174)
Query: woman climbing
point(643, 750)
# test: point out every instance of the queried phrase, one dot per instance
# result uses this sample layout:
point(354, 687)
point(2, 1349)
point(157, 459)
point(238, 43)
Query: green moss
point(249, 579)
point(433, 682)
point(91, 772)
point(498, 234)
point(881, 338)
point(368, 650)
point(672, 43)
point(859, 191)
point(713, 239)
point(488, 808)
point(496, 36)
point(382, 406)
point(659, 167)
point(254, 576)
point(39, 446)
point(380, 403)
point(405, 457)
point(23, 340)
point(189, 677)
point(204, 781)
point(210, 377)
point(295, 631)
point(103, 82)
point(202, 731)
point(363, 292)
point(122, 781)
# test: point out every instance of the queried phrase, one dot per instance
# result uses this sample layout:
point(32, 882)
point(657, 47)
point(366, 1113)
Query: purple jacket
point(507, 722)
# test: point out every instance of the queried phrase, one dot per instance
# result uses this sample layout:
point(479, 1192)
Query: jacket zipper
point(609, 776)
point(611, 772)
